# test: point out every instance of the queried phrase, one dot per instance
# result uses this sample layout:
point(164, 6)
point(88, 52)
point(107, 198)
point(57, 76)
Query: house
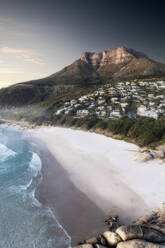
point(101, 101)
point(83, 98)
point(115, 114)
point(77, 105)
point(67, 103)
point(124, 105)
point(114, 99)
point(151, 103)
point(109, 108)
point(103, 114)
point(150, 95)
point(92, 105)
point(100, 108)
point(82, 113)
point(72, 102)
point(142, 111)
point(67, 110)
point(59, 111)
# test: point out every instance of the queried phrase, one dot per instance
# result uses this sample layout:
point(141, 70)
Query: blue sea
point(24, 221)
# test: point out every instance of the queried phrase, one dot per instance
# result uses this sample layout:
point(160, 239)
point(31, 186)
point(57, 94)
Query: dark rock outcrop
point(147, 232)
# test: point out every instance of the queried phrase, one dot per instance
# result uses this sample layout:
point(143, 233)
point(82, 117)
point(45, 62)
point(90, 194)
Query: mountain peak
point(91, 58)
point(111, 56)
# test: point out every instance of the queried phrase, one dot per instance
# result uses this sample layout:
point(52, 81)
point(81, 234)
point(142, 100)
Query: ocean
point(24, 221)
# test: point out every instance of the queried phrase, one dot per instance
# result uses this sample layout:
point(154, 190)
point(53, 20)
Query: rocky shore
point(145, 154)
point(146, 232)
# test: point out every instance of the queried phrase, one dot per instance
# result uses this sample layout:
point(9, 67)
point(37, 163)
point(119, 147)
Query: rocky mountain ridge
point(111, 56)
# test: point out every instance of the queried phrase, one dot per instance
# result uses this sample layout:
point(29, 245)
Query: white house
point(83, 112)
point(72, 102)
point(83, 98)
point(142, 111)
point(115, 114)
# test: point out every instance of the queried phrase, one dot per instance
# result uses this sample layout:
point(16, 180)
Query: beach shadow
point(78, 215)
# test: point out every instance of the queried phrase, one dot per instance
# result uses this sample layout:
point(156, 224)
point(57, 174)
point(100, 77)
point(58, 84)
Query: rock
point(155, 220)
point(92, 241)
point(160, 228)
point(153, 235)
point(83, 246)
point(141, 156)
point(112, 238)
point(130, 232)
point(138, 243)
point(102, 240)
point(161, 151)
point(111, 56)
point(99, 246)
point(112, 222)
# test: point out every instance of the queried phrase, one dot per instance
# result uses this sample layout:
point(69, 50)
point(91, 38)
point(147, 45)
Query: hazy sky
point(38, 38)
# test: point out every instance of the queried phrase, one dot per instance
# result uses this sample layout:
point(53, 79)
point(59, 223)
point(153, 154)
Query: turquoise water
point(24, 222)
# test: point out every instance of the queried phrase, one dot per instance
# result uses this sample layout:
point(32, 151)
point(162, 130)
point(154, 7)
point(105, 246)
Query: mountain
point(114, 63)
point(123, 62)
point(86, 73)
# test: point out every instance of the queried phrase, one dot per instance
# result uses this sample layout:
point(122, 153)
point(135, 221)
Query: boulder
point(153, 235)
point(156, 218)
point(138, 243)
point(99, 246)
point(83, 246)
point(92, 241)
point(160, 228)
point(161, 151)
point(141, 156)
point(112, 222)
point(102, 240)
point(112, 238)
point(130, 232)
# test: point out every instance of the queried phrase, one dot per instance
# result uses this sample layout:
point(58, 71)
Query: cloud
point(26, 55)
point(32, 59)
point(12, 50)
point(10, 71)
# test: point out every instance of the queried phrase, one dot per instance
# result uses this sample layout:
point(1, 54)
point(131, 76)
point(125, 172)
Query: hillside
point(85, 74)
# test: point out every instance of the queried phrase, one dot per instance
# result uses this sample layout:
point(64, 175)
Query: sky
point(38, 38)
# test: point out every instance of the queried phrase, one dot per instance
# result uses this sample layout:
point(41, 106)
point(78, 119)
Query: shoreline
point(58, 192)
point(40, 194)
point(22, 124)
point(101, 181)
point(84, 183)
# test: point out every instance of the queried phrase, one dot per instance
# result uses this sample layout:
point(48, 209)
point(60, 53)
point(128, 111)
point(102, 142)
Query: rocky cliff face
point(93, 59)
point(111, 56)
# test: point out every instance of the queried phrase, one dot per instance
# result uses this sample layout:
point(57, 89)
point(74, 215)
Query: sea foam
point(5, 153)
point(35, 164)
point(25, 222)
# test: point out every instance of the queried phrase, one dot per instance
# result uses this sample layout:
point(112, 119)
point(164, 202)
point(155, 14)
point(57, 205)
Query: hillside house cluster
point(114, 100)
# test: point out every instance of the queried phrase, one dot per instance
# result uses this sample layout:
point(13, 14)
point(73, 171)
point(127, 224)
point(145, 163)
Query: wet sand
point(78, 215)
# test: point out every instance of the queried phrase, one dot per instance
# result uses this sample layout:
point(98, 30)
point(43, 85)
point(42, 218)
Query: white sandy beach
point(102, 168)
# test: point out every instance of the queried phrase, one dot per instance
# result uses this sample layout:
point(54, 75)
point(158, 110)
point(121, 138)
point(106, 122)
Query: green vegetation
point(144, 132)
